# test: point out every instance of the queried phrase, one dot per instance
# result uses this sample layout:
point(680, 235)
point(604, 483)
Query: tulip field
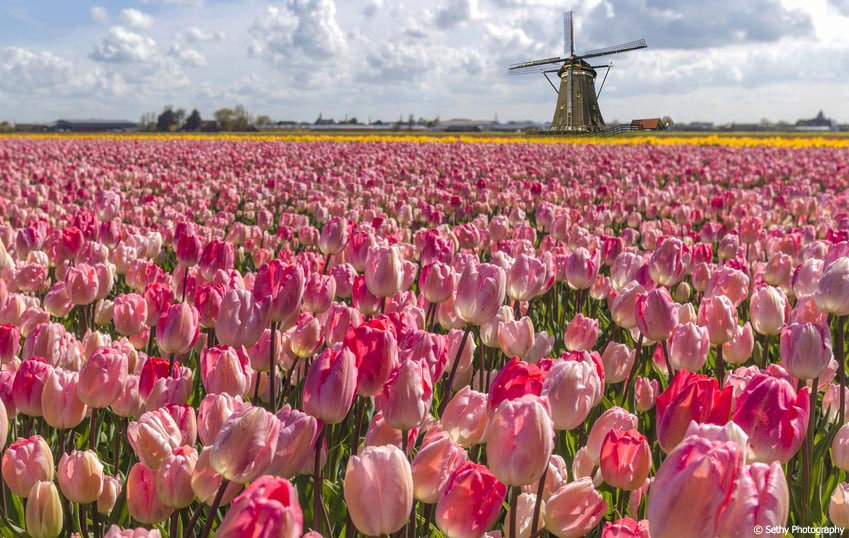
point(413, 337)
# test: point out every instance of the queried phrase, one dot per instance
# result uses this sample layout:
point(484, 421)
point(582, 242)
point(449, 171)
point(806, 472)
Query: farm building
point(93, 125)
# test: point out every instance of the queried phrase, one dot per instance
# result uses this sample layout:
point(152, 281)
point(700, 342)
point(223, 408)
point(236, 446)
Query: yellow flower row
point(791, 140)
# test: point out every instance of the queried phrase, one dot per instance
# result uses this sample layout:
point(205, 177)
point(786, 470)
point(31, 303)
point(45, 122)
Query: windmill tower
point(577, 101)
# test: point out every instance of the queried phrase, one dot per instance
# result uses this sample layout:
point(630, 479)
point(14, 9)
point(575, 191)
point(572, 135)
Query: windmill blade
point(535, 66)
point(615, 49)
point(568, 35)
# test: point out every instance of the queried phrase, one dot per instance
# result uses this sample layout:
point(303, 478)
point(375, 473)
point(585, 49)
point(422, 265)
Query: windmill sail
point(536, 66)
point(615, 49)
point(568, 35)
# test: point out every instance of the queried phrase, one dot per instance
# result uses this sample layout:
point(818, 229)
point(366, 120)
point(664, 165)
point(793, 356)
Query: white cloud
point(189, 57)
point(136, 19)
point(123, 46)
point(455, 12)
point(99, 14)
point(196, 35)
point(302, 30)
point(24, 70)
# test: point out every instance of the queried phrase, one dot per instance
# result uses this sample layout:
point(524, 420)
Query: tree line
point(225, 119)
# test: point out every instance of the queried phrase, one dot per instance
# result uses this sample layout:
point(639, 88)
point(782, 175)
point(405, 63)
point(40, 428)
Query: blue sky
point(717, 60)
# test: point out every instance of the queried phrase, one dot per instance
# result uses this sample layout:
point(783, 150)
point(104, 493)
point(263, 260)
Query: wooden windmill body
point(577, 107)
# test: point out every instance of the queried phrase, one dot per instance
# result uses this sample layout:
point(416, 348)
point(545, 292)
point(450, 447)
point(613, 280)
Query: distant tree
point(234, 119)
point(166, 120)
point(148, 122)
point(264, 120)
point(224, 117)
point(411, 120)
point(179, 116)
point(193, 122)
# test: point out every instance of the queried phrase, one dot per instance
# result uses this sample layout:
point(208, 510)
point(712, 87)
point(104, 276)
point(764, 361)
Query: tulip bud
point(524, 422)
point(375, 349)
point(102, 378)
point(688, 347)
point(614, 418)
point(436, 282)
point(295, 443)
point(80, 476)
point(581, 334)
point(465, 418)
point(245, 445)
point(656, 314)
point(769, 309)
point(28, 385)
point(173, 480)
point(669, 262)
point(617, 360)
point(268, 507)
point(575, 509)
point(330, 384)
point(241, 319)
point(142, 501)
point(379, 473)
point(319, 291)
point(480, 291)
point(225, 369)
point(645, 392)
point(739, 349)
point(433, 465)
point(406, 396)
point(206, 482)
point(383, 271)
point(178, 329)
point(82, 284)
point(153, 437)
point(60, 404)
point(832, 292)
point(625, 459)
point(284, 285)
point(108, 494)
point(26, 462)
point(213, 412)
point(469, 502)
point(44, 511)
point(719, 316)
point(838, 505)
point(516, 338)
point(805, 349)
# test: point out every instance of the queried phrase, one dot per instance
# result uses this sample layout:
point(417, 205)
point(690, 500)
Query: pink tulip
point(656, 314)
point(406, 396)
point(216, 255)
point(838, 505)
point(26, 462)
point(688, 347)
point(102, 377)
point(284, 285)
point(623, 305)
point(82, 284)
point(225, 369)
point(269, 506)
point(730, 282)
point(436, 282)
point(433, 465)
point(295, 443)
point(719, 316)
point(573, 388)
point(760, 498)
point(574, 509)
point(60, 405)
point(153, 436)
point(330, 385)
point(581, 269)
point(690, 397)
point(375, 350)
point(465, 418)
point(526, 278)
point(774, 416)
point(362, 299)
point(516, 338)
point(158, 297)
point(305, 337)
point(213, 412)
point(840, 448)
point(173, 480)
point(769, 310)
point(80, 476)
point(383, 271)
point(614, 418)
point(739, 349)
point(469, 502)
point(480, 291)
point(206, 482)
point(108, 494)
point(526, 423)
point(28, 386)
point(344, 275)
point(581, 334)
point(178, 329)
point(832, 291)
point(669, 262)
point(805, 349)
point(241, 319)
point(10, 342)
point(187, 247)
point(617, 360)
point(334, 235)
point(626, 528)
point(645, 392)
point(379, 473)
point(43, 514)
point(319, 291)
point(142, 501)
point(625, 460)
point(339, 318)
point(245, 445)
point(207, 300)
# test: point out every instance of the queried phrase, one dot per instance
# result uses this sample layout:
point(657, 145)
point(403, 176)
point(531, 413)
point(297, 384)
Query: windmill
point(577, 101)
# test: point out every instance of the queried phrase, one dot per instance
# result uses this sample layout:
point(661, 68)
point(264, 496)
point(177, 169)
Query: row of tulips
point(659, 352)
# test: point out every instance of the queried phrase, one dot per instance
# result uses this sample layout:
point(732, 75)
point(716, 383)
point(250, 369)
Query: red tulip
point(470, 501)
point(513, 381)
point(375, 349)
point(690, 397)
point(268, 507)
point(625, 459)
point(29, 384)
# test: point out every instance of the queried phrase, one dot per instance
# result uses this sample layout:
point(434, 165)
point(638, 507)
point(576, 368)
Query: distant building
point(819, 123)
point(93, 125)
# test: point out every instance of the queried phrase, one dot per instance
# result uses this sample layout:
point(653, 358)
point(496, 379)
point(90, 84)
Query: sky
point(707, 60)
